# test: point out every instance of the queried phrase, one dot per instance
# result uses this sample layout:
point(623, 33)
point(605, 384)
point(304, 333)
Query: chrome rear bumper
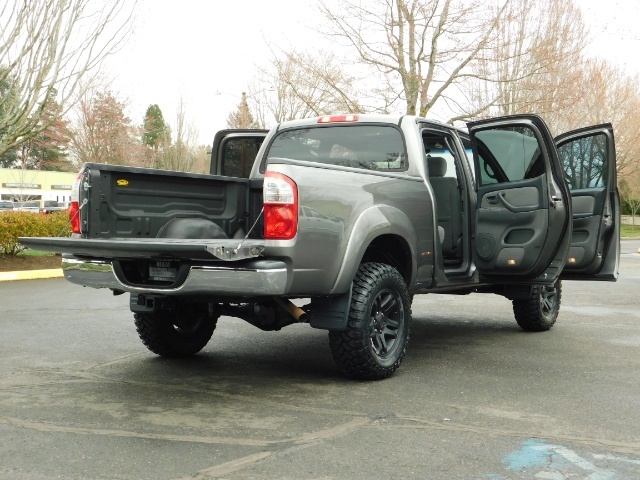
point(250, 278)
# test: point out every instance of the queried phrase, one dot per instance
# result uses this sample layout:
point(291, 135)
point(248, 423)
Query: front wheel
point(539, 312)
point(179, 332)
point(375, 341)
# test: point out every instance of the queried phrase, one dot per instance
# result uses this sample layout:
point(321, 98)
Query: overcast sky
point(205, 52)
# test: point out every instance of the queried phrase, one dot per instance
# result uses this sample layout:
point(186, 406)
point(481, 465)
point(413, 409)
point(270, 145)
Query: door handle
point(514, 208)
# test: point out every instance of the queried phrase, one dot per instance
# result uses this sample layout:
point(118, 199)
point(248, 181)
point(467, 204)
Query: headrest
point(437, 166)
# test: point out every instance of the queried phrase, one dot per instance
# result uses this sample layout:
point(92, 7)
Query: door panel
point(511, 226)
point(522, 216)
point(588, 158)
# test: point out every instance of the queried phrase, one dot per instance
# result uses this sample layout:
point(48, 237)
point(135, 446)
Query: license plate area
point(165, 271)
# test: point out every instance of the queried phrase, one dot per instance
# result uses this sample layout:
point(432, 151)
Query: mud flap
point(330, 313)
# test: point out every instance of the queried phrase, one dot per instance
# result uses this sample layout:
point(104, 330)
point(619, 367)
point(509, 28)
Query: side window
point(508, 154)
point(440, 145)
point(238, 155)
point(585, 162)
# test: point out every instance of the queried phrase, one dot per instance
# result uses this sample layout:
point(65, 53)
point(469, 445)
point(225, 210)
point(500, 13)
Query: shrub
point(28, 224)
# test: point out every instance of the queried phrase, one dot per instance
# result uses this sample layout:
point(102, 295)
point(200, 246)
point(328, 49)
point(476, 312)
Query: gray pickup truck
point(355, 214)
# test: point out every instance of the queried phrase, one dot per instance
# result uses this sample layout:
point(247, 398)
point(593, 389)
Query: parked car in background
point(6, 205)
point(41, 206)
point(49, 206)
point(30, 206)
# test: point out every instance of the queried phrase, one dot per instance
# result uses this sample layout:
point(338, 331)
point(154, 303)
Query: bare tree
point(630, 194)
point(538, 61)
point(179, 150)
point(202, 159)
point(424, 48)
point(102, 133)
point(534, 61)
point(47, 47)
point(608, 95)
point(301, 84)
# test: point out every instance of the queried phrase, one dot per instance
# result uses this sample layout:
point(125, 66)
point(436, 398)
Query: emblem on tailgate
point(122, 182)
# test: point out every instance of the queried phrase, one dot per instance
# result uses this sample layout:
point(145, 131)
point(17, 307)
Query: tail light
point(74, 206)
point(280, 195)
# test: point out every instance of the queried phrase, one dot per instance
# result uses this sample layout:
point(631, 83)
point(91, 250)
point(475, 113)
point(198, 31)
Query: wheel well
point(392, 250)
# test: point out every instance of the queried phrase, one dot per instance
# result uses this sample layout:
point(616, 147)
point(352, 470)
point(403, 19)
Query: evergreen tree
point(9, 159)
point(154, 127)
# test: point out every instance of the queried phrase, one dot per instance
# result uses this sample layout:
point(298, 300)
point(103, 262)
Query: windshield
point(372, 147)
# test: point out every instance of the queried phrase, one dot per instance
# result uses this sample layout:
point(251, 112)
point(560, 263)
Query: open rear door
point(588, 157)
point(523, 210)
point(234, 151)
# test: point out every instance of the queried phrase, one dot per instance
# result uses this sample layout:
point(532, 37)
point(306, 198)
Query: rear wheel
point(179, 332)
point(540, 311)
point(375, 341)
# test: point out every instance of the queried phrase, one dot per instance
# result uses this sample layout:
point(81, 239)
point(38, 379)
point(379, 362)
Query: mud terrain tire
point(539, 312)
point(375, 341)
point(176, 333)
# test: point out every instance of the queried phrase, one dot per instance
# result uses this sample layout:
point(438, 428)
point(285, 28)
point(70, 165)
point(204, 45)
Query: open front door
point(588, 157)
point(523, 210)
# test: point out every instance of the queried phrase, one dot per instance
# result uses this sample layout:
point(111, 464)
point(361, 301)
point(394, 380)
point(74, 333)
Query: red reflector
point(280, 222)
point(74, 217)
point(338, 118)
point(280, 197)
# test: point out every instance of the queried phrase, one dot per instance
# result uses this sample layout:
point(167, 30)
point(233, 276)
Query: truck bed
point(137, 203)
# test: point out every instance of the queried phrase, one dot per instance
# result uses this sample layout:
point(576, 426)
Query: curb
point(31, 274)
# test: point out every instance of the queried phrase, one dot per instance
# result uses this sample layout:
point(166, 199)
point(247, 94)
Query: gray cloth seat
point(448, 209)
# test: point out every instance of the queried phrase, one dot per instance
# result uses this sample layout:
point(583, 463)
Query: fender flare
point(372, 223)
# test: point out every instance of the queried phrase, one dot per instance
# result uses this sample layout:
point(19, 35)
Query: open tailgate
point(180, 249)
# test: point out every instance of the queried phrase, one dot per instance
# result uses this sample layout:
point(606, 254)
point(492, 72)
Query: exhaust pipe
point(296, 312)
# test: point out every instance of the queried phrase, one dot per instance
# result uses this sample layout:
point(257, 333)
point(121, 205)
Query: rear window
point(372, 147)
point(238, 155)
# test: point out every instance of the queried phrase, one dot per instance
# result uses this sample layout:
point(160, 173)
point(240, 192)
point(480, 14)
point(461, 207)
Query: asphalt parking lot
point(476, 398)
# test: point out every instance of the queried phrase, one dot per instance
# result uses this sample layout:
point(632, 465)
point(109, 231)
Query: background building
point(21, 185)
